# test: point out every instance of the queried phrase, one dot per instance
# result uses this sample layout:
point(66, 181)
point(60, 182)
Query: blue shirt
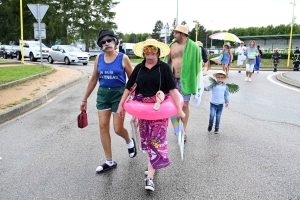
point(220, 93)
point(111, 74)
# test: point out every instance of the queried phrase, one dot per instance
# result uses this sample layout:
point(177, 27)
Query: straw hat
point(220, 72)
point(227, 44)
point(200, 44)
point(182, 29)
point(138, 48)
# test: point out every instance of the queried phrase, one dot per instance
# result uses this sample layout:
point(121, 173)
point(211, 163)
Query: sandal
point(132, 150)
point(160, 96)
point(105, 167)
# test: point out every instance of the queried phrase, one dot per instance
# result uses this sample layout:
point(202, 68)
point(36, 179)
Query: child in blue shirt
point(220, 95)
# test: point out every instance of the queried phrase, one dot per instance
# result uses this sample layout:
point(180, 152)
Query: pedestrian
point(276, 57)
point(231, 58)
point(296, 59)
point(185, 58)
point(250, 53)
point(227, 57)
point(258, 59)
point(241, 57)
point(110, 69)
point(220, 95)
point(152, 78)
point(121, 47)
point(204, 57)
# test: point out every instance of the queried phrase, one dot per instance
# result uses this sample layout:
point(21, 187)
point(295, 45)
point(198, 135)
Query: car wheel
point(19, 56)
point(50, 60)
point(84, 63)
point(32, 57)
point(67, 61)
point(5, 56)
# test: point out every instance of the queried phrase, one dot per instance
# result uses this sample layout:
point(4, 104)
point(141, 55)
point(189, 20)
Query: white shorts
point(240, 62)
point(249, 68)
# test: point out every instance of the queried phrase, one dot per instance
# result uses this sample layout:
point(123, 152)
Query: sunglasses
point(220, 77)
point(150, 49)
point(104, 41)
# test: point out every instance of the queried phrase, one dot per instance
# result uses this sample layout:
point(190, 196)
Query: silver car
point(68, 54)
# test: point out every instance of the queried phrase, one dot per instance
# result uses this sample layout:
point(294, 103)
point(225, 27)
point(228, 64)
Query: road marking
point(270, 78)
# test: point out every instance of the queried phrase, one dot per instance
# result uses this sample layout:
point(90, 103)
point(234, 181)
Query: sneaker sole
point(149, 188)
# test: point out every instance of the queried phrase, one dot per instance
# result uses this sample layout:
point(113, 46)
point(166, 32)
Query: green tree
point(156, 31)
point(90, 16)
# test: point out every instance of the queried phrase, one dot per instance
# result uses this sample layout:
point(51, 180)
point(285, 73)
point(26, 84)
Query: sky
point(140, 16)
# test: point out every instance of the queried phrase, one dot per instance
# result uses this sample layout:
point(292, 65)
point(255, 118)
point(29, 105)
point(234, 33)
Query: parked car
point(68, 54)
point(8, 51)
point(130, 53)
point(32, 50)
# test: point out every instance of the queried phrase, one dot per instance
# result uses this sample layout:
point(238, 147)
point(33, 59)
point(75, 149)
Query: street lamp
point(197, 25)
point(166, 33)
point(292, 24)
point(177, 15)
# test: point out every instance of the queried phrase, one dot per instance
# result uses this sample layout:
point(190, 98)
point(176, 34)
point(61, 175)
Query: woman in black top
point(151, 77)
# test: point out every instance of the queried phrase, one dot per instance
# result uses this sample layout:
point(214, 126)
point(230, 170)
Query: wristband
point(84, 101)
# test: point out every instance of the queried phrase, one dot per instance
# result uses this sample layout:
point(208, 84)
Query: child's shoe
point(216, 130)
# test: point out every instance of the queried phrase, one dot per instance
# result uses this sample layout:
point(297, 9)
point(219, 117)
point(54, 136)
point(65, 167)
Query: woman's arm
point(176, 98)
point(91, 85)
point(231, 56)
point(127, 65)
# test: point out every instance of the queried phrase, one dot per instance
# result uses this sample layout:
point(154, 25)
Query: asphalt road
point(256, 155)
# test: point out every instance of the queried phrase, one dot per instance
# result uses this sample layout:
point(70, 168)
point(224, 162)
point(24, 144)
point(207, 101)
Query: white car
point(68, 54)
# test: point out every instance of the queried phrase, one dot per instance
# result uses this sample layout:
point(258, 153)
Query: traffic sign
point(42, 33)
point(38, 10)
point(36, 25)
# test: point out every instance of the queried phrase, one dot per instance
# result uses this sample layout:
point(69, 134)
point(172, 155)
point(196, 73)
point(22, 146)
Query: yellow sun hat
point(138, 48)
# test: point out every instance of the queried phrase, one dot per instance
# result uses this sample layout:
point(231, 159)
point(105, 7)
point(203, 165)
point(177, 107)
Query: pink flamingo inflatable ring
point(148, 111)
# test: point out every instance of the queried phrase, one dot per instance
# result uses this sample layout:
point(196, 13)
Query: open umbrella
point(225, 36)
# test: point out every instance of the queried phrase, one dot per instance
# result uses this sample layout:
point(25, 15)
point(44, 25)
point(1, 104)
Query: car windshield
point(72, 49)
point(37, 44)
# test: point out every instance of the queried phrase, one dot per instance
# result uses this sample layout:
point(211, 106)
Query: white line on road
point(270, 78)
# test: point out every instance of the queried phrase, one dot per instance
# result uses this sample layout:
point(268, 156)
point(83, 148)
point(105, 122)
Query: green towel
point(190, 67)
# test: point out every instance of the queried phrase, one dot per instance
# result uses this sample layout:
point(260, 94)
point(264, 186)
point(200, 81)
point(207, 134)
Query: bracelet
point(84, 101)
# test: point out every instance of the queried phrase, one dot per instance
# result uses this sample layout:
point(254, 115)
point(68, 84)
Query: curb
point(9, 84)
point(28, 105)
point(282, 78)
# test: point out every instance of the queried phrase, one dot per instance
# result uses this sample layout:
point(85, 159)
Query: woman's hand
point(83, 105)
point(180, 114)
point(121, 112)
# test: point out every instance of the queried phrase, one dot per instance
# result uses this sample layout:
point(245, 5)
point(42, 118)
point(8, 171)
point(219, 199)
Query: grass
point(5, 61)
point(12, 73)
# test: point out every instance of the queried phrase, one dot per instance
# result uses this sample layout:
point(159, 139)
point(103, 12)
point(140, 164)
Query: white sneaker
point(249, 79)
point(246, 79)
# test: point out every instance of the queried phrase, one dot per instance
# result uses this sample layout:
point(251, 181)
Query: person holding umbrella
point(149, 81)
point(250, 53)
point(227, 57)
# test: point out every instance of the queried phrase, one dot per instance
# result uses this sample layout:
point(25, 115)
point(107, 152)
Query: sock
point(109, 162)
point(130, 144)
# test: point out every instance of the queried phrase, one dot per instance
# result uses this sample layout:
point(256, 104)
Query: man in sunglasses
point(185, 59)
point(110, 69)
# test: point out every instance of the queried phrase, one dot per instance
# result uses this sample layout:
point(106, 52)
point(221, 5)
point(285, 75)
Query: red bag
point(82, 119)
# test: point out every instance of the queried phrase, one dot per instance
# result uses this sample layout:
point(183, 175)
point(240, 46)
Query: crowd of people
point(167, 71)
